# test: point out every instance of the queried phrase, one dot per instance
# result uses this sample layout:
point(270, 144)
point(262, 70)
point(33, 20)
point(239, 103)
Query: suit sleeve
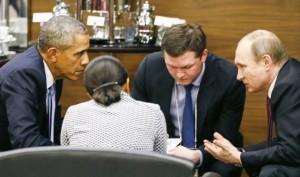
point(21, 92)
point(286, 147)
point(230, 113)
point(139, 85)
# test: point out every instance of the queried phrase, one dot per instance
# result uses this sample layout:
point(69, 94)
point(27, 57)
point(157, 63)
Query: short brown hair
point(181, 38)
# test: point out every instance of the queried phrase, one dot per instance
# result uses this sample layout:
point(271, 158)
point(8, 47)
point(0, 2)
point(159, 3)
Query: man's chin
point(250, 90)
point(184, 83)
point(73, 77)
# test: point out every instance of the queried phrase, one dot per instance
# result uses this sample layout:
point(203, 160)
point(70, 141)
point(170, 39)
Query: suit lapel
point(166, 85)
point(205, 96)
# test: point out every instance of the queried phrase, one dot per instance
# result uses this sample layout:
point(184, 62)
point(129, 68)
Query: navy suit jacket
point(23, 120)
point(285, 106)
point(220, 101)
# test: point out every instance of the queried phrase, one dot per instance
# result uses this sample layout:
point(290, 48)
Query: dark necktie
point(51, 111)
point(188, 127)
point(270, 122)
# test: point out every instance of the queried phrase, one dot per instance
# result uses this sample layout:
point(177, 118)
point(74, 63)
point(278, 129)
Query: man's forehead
point(240, 57)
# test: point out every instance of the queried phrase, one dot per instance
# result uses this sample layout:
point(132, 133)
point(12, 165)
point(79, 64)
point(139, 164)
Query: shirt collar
point(49, 78)
point(272, 87)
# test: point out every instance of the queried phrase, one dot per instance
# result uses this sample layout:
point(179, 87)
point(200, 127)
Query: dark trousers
point(224, 169)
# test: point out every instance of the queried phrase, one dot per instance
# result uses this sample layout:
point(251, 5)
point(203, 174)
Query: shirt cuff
point(200, 160)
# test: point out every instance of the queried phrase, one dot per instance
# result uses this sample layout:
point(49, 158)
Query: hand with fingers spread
point(223, 150)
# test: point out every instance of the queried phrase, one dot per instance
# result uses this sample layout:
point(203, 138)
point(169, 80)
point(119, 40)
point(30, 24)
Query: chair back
point(90, 162)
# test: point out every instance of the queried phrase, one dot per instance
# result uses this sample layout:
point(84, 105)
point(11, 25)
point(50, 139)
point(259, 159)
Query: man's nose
point(239, 76)
point(179, 73)
point(85, 60)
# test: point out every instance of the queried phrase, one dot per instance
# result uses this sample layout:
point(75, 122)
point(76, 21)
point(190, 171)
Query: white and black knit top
point(127, 124)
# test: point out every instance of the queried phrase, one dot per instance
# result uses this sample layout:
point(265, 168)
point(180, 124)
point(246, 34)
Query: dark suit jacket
point(285, 106)
point(23, 120)
point(220, 99)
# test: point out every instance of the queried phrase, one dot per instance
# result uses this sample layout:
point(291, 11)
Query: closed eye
point(80, 53)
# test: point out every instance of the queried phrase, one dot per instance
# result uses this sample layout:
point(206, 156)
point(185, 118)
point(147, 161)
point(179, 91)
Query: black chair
point(90, 162)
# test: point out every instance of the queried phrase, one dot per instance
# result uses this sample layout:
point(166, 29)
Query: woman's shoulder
point(137, 103)
point(82, 105)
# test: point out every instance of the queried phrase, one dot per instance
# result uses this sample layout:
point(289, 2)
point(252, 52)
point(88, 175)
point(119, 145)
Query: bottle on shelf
point(145, 24)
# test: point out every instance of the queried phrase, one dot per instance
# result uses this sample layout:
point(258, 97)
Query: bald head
point(263, 42)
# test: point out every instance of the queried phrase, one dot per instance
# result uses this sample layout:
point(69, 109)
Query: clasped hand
point(183, 152)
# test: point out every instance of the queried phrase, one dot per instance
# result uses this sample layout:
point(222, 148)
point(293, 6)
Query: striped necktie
point(51, 111)
point(188, 127)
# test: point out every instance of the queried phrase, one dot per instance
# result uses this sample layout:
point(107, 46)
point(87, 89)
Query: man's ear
point(126, 86)
point(268, 62)
point(87, 93)
point(52, 54)
point(204, 55)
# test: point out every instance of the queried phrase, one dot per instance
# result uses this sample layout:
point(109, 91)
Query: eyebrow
point(239, 64)
point(181, 66)
point(81, 51)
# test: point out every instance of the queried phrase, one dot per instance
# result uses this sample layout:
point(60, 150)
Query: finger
point(210, 150)
point(220, 143)
point(211, 146)
point(206, 141)
point(218, 135)
point(171, 151)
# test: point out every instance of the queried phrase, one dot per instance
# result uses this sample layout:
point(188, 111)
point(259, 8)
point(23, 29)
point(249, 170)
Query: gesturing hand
point(223, 150)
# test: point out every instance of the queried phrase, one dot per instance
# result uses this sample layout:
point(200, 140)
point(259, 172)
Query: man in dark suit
point(218, 97)
point(24, 81)
point(264, 64)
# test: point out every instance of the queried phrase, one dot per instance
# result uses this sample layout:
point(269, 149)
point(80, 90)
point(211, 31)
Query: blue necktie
point(188, 127)
point(51, 111)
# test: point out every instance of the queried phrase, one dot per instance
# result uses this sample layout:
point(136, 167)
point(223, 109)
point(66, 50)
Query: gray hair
point(264, 42)
point(59, 32)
